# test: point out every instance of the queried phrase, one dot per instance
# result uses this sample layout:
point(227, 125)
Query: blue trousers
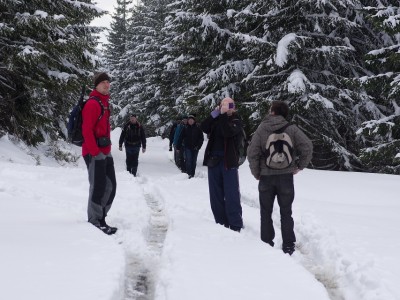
point(224, 191)
point(191, 161)
point(132, 158)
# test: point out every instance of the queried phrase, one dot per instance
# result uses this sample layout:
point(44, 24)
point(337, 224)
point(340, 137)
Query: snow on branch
point(282, 51)
point(227, 71)
point(296, 83)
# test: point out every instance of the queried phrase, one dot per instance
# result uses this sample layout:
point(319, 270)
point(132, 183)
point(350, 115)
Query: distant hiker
point(172, 133)
point(134, 138)
point(222, 158)
point(96, 151)
point(191, 141)
point(275, 181)
point(180, 153)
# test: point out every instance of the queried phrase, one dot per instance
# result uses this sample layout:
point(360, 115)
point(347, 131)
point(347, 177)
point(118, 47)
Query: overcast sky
point(105, 21)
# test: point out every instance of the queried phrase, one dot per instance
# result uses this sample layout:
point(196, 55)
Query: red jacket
point(92, 128)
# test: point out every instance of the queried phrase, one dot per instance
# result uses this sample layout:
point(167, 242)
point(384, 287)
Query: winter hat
point(192, 116)
point(100, 77)
point(134, 115)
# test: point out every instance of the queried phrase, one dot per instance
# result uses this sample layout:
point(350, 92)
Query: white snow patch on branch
point(297, 82)
point(41, 14)
point(318, 98)
point(282, 50)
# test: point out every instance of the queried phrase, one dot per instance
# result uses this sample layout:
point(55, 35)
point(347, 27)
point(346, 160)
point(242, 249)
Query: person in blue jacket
point(179, 153)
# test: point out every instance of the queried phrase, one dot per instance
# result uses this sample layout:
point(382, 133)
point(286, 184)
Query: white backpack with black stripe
point(279, 149)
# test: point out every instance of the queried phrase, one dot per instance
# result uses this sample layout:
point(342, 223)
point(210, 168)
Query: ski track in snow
point(318, 249)
point(141, 274)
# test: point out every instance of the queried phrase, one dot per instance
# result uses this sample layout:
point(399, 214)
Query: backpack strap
point(282, 129)
point(101, 105)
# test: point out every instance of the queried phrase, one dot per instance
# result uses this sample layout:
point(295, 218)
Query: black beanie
point(100, 77)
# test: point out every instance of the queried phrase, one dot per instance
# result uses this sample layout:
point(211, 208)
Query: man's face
point(133, 119)
point(103, 87)
point(191, 121)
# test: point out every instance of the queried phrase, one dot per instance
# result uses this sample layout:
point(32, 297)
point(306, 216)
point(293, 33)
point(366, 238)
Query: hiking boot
point(288, 250)
point(235, 228)
point(106, 228)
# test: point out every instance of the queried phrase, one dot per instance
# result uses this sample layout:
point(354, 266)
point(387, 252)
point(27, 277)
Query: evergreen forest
point(335, 62)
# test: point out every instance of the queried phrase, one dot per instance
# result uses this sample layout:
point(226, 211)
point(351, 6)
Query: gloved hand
point(143, 150)
point(120, 148)
point(215, 113)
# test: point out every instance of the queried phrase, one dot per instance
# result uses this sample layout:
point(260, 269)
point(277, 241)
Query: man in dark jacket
point(134, 138)
point(277, 182)
point(192, 139)
point(222, 158)
point(96, 151)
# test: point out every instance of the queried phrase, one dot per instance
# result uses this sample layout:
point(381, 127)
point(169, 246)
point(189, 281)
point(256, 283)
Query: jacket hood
point(272, 123)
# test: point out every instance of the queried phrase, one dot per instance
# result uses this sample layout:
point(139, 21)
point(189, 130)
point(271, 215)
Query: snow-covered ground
point(168, 246)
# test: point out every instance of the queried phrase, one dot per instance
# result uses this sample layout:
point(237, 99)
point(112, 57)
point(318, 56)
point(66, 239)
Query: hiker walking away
point(96, 151)
point(180, 153)
point(134, 138)
point(276, 181)
point(222, 158)
point(191, 141)
point(172, 133)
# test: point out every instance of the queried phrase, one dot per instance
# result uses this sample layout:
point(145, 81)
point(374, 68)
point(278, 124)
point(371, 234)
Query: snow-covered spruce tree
point(47, 51)
point(214, 51)
point(381, 133)
point(141, 67)
point(117, 39)
point(318, 56)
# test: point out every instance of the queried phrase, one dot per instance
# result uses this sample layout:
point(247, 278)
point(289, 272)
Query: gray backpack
point(279, 149)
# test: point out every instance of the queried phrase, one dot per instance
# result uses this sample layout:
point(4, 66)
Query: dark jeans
point(224, 190)
point(282, 187)
point(132, 158)
point(191, 161)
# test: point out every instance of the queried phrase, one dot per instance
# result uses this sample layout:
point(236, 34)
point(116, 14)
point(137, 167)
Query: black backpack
point(241, 145)
point(75, 120)
point(132, 135)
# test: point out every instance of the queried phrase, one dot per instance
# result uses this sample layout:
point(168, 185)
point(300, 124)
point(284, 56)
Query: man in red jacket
point(96, 151)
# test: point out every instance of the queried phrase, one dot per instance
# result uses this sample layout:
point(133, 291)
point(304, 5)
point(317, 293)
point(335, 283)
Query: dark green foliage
point(47, 50)
point(319, 56)
point(380, 133)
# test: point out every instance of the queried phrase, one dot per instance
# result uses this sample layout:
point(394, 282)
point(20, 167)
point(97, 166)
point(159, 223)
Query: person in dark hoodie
point(96, 151)
point(221, 157)
point(192, 139)
point(134, 138)
point(274, 182)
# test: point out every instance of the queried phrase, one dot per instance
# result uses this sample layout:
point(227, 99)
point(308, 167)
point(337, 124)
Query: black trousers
point(281, 187)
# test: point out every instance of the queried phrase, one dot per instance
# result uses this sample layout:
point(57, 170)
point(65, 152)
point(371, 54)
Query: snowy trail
point(169, 247)
point(158, 176)
point(163, 175)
